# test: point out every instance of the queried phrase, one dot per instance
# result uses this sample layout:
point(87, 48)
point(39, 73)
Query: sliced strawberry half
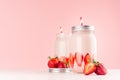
point(71, 60)
point(87, 58)
point(89, 68)
point(78, 58)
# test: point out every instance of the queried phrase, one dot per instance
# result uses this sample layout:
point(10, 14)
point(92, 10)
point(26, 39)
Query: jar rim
point(84, 27)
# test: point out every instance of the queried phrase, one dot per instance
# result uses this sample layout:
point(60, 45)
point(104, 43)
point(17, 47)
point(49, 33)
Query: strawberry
point(100, 69)
point(89, 68)
point(71, 60)
point(78, 58)
point(50, 64)
point(53, 62)
point(61, 65)
point(87, 58)
point(67, 63)
point(65, 60)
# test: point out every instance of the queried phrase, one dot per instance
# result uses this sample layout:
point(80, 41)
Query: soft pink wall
point(28, 29)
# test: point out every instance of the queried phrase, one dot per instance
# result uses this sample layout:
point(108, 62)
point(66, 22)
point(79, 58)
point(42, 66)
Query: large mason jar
point(81, 42)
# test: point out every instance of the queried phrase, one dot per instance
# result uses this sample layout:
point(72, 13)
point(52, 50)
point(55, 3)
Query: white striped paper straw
point(81, 21)
point(61, 30)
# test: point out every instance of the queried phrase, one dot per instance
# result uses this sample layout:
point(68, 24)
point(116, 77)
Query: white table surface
point(27, 75)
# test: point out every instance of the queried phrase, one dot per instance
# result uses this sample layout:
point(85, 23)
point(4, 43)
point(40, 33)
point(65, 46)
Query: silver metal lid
point(84, 27)
point(61, 70)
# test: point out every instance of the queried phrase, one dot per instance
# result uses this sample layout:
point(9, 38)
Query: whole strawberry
point(53, 62)
point(61, 64)
point(100, 69)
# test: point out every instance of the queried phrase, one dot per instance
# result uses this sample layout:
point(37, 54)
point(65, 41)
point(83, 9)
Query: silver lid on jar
point(60, 70)
point(84, 27)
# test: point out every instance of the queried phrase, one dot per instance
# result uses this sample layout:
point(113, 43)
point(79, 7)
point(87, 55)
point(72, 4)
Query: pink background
point(28, 29)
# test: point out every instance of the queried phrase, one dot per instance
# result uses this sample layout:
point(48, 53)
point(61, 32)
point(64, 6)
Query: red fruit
point(61, 64)
point(71, 60)
point(65, 60)
point(89, 68)
point(53, 63)
point(100, 69)
point(50, 64)
point(87, 58)
point(78, 58)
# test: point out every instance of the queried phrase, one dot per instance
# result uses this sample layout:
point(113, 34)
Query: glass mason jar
point(60, 45)
point(61, 53)
point(81, 41)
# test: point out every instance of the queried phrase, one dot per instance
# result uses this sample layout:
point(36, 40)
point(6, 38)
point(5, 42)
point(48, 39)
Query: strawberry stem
point(95, 62)
point(56, 57)
point(49, 57)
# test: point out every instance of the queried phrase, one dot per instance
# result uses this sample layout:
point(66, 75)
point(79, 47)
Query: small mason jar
point(61, 53)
